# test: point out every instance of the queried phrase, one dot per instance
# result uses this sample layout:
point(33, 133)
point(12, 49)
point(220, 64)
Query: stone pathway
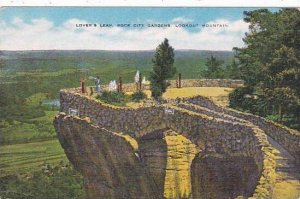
point(287, 174)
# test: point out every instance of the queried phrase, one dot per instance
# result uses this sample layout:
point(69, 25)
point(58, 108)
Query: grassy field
point(217, 94)
point(27, 157)
point(36, 129)
point(173, 93)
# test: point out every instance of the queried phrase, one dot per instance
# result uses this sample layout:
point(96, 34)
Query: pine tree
point(162, 69)
point(270, 61)
point(214, 69)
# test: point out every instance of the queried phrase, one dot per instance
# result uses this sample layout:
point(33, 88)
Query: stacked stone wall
point(288, 138)
point(135, 122)
point(208, 112)
point(230, 83)
point(219, 136)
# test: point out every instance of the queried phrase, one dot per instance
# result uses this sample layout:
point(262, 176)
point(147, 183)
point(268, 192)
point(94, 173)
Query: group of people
point(112, 86)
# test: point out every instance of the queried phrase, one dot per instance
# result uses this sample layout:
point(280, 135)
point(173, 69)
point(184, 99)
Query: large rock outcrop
point(107, 160)
point(153, 152)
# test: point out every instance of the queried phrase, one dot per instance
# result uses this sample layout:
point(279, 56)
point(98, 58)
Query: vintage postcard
point(149, 102)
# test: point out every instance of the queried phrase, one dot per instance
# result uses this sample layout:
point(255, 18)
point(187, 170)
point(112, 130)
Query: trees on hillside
point(216, 70)
point(162, 68)
point(213, 66)
point(270, 60)
point(232, 70)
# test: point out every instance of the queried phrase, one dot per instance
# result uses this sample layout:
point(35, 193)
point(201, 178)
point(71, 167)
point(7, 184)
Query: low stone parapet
point(288, 138)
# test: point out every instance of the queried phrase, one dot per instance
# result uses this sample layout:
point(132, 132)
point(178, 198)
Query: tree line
point(270, 65)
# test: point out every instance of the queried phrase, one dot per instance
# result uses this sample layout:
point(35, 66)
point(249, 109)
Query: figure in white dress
point(137, 80)
point(144, 80)
point(112, 85)
point(97, 84)
point(137, 77)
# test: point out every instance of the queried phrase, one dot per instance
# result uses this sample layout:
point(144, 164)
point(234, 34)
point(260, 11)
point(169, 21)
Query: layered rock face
point(107, 161)
point(153, 152)
point(181, 152)
point(168, 157)
point(218, 177)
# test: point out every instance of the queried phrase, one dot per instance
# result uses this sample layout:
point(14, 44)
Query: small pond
point(54, 102)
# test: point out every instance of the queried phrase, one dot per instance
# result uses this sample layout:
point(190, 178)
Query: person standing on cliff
point(97, 84)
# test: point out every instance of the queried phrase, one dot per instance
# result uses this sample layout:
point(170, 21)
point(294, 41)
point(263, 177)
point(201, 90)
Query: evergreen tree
point(214, 69)
point(162, 68)
point(232, 70)
point(269, 62)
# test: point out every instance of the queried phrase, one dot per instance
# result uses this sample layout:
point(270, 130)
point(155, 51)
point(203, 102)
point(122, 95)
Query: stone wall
point(140, 121)
point(209, 112)
point(288, 138)
point(215, 134)
point(230, 83)
point(135, 122)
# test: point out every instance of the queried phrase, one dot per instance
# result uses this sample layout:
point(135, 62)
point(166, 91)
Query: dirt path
point(287, 174)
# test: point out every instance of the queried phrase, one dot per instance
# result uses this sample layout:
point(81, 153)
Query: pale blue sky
point(47, 28)
point(59, 15)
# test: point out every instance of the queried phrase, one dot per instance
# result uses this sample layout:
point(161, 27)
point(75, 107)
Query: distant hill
point(188, 62)
point(25, 73)
point(50, 54)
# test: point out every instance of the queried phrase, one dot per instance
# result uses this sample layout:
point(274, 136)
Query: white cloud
point(181, 20)
point(41, 34)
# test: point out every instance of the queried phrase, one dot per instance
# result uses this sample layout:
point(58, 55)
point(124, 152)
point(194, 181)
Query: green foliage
point(272, 117)
point(113, 97)
point(238, 97)
point(51, 182)
point(28, 129)
point(36, 99)
point(138, 96)
point(284, 69)
point(270, 62)
point(162, 69)
point(214, 69)
point(232, 70)
point(283, 98)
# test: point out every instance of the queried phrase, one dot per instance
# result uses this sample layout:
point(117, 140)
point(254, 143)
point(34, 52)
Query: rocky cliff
point(106, 159)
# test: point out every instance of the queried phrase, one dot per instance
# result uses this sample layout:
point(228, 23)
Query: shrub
point(237, 99)
point(138, 96)
point(113, 97)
